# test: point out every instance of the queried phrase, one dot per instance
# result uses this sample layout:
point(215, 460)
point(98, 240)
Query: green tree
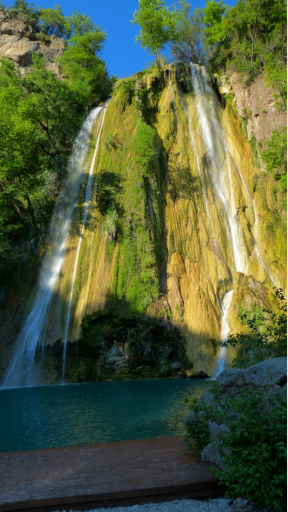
point(189, 45)
point(40, 116)
point(81, 63)
point(52, 21)
point(248, 38)
point(215, 32)
point(158, 25)
point(23, 8)
point(78, 24)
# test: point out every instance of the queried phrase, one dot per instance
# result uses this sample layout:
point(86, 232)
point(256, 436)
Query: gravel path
point(207, 505)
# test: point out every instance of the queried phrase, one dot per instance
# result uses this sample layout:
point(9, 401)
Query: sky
point(122, 56)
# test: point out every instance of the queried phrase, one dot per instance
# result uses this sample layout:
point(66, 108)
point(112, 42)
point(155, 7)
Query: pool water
point(75, 414)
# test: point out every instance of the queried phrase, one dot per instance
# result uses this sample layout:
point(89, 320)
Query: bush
point(110, 224)
point(253, 449)
point(267, 337)
point(144, 147)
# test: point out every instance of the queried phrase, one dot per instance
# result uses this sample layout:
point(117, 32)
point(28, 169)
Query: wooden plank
point(94, 475)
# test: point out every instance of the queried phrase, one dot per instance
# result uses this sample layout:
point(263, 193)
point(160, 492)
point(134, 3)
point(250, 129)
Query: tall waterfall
point(21, 369)
point(217, 153)
point(86, 208)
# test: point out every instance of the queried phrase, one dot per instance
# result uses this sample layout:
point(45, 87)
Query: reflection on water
point(51, 416)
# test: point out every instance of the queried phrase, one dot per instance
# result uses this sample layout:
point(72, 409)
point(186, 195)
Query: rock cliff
point(20, 39)
point(162, 243)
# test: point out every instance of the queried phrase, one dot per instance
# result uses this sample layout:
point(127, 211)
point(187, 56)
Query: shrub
point(144, 147)
point(267, 336)
point(253, 449)
point(110, 224)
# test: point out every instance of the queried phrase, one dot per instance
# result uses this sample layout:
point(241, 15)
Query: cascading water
point(20, 371)
point(86, 208)
point(220, 364)
point(220, 177)
point(217, 153)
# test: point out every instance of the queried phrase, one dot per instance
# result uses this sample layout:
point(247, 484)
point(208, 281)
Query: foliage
point(248, 38)
point(197, 433)
point(144, 147)
point(275, 156)
point(254, 446)
point(22, 7)
point(78, 24)
point(157, 23)
point(80, 62)
point(52, 21)
point(189, 45)
point(37, 131)
point(267, 335)
point(108, 186)
point(110, 224)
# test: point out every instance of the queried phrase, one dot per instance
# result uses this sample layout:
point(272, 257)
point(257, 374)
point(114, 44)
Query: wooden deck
point(100, 475)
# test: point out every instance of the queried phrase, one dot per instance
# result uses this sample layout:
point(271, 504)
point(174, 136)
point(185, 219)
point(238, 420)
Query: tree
point(189, 45)
point(78, 24)
point(40, 116)
point(158, 25)
point(23, 8)
point(86, 71)
point(247, 38)
point(52, 21)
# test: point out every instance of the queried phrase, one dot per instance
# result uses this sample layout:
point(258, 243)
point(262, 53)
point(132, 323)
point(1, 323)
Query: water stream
point(21, 370)
point(225, 329)
point(86, 208)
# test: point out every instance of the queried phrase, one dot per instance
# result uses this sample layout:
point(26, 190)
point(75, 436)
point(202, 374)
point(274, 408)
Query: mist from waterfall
point(32, 335)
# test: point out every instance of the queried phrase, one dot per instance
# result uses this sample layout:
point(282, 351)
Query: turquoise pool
point(74, 414)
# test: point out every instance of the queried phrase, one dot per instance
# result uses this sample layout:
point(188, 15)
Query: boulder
point(271, 373)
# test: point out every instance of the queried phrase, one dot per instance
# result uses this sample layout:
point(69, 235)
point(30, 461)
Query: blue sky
point(122, 56)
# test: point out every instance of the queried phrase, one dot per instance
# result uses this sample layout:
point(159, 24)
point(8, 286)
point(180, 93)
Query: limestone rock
point(233, 382)
point(211, 451)
point(271, 373)
point(257, 103)
point(19, 40)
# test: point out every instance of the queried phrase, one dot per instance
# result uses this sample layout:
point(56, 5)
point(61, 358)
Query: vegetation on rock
point(253, 447)
point(266, 337)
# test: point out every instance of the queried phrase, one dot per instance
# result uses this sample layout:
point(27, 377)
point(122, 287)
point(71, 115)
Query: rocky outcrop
point(20, 39)
point(171, 248)
point(124, 349)
point(269, 375)
point(256, 104)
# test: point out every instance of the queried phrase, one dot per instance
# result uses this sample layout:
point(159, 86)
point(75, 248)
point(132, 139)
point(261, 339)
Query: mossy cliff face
point(157, 245)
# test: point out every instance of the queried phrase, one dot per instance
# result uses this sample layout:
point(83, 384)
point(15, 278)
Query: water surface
point(75, 414)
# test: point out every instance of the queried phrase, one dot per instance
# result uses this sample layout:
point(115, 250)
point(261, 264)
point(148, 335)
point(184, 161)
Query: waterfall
point(217, 152)
point(220, 363)
point(21, 369)
point(86, 208)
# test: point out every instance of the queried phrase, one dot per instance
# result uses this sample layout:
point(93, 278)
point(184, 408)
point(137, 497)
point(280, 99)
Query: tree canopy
point(157, 23)
point(52, 21)
point(189, 44)
point(40, 117)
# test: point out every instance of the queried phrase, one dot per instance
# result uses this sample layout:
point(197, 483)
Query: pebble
point(204, 505)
